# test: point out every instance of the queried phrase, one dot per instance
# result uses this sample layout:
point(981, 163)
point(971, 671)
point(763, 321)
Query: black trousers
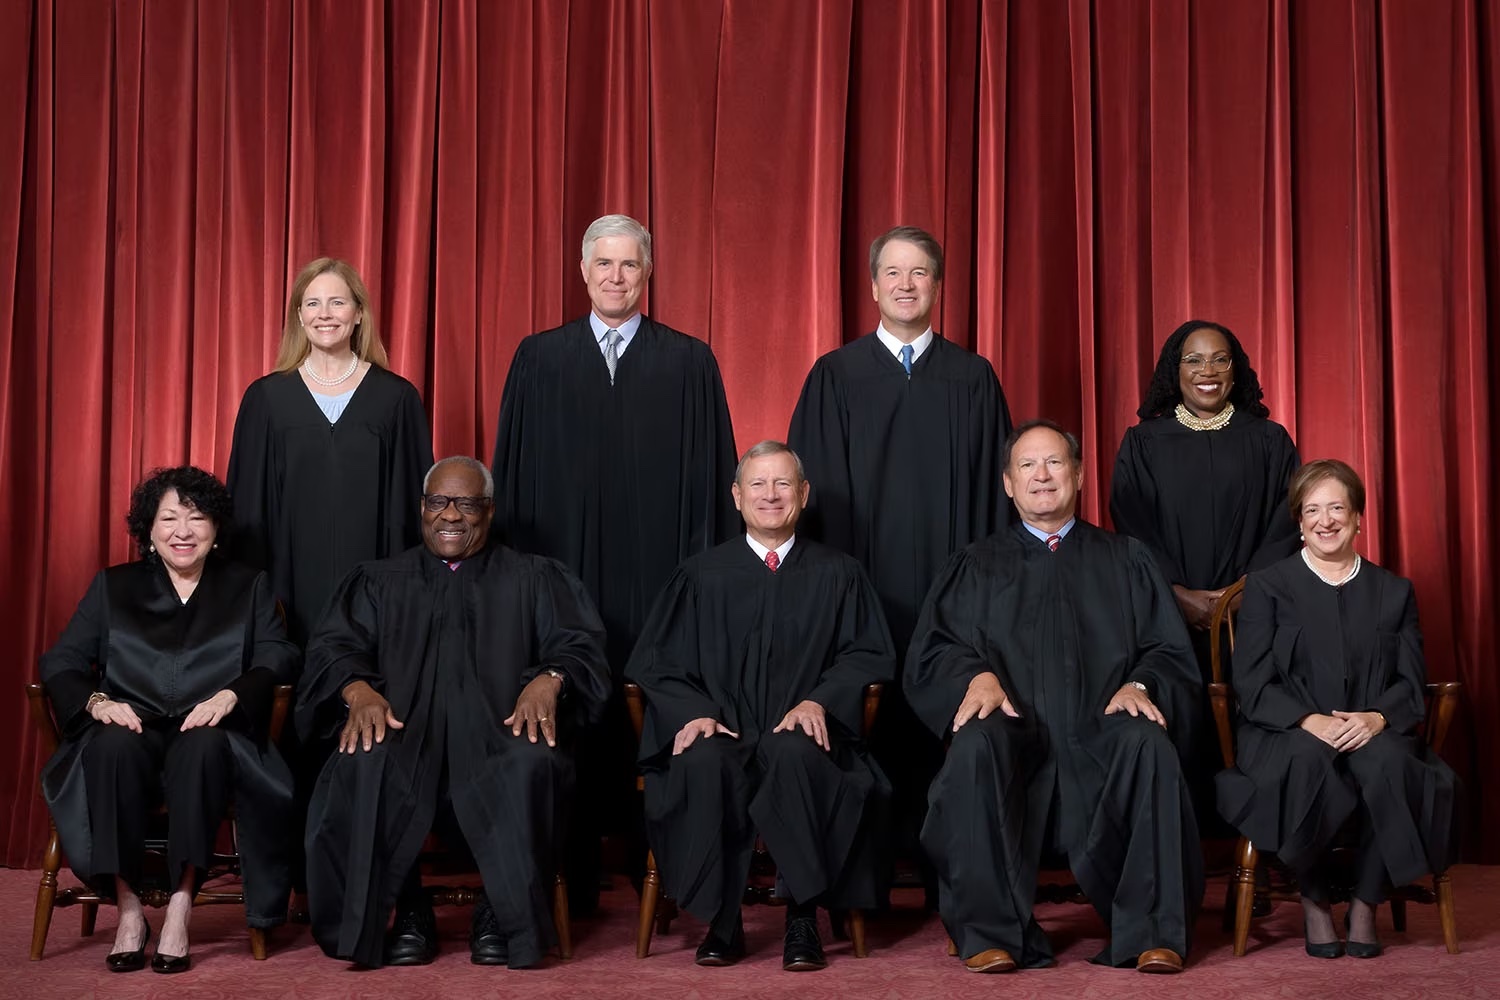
point(129, 775)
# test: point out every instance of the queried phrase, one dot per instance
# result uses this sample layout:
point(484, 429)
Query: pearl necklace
point(1186, 418)
point(307, 370)
point(1333, 583)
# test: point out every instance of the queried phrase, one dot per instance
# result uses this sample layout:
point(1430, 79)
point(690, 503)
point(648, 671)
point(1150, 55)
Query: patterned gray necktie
point(612, 353)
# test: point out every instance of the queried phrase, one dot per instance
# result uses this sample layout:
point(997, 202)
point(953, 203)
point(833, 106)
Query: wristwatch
point(562, 678)
point(1141, 687)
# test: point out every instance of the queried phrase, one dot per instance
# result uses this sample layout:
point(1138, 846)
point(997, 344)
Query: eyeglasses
point(1197, 362)
point(436, 503)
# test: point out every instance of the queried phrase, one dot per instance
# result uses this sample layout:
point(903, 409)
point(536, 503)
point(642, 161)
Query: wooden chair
point(1442, 701)
point(656, 913)
point(49, 896)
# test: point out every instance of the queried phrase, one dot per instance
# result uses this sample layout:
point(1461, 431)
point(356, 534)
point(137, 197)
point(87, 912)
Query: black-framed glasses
point(1197, 363)
point(436, 503)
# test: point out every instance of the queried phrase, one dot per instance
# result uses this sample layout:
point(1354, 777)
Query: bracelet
point(97, 698)
point(1383, 724)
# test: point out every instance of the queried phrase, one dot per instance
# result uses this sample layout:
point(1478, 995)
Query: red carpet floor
point(907, 959)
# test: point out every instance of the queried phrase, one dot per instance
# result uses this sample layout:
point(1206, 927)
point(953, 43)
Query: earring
point(153, 548)
point(216, 544)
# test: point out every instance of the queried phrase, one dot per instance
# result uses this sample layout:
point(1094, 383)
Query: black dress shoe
point(486, 945)
point(413, 938)
point(1328, 949)
point(169, 964)
point(804, 949)
point(1360, 949)
point(129, 961)
point(716, 951)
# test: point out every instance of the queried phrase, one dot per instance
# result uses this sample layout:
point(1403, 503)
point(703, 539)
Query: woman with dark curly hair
point(162, 683)
point(1201, 479)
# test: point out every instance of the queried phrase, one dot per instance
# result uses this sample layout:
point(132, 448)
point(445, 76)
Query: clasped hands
point(1344, 731)
point(806, 715)
point(985, 696)
point(208, 712)
point(370, 714)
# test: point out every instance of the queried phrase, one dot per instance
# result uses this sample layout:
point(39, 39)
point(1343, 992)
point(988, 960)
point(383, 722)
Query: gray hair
point(468, 463)
point(920, 238)
point(769, 447)
point(617, 225)
point(1075, 449)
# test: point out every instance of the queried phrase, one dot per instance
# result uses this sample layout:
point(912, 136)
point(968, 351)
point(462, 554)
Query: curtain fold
point(1322, 176)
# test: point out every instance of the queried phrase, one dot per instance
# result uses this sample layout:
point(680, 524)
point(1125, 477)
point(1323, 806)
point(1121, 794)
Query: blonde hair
point(365, 342)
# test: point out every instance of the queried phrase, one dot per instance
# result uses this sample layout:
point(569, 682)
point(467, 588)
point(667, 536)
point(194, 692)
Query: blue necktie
point(906, 353)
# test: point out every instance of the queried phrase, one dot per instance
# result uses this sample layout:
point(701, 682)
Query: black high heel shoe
point(1361, 949)
point(171, 963)
point(129, 961)
point(1328, 949)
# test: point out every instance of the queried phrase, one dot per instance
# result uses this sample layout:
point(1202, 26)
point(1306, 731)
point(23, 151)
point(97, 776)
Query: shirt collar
point(894, 345)
point(601, 329)
point(781, 550)
point(1060, 532)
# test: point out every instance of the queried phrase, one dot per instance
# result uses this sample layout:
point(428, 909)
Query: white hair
point(617, 225)
point(769, 447)
point(467, 462)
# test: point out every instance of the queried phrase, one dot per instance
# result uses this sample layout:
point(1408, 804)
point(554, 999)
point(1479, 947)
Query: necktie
point(906, 353)
point(612, 353)
point(1052, 541)
point(772, 560)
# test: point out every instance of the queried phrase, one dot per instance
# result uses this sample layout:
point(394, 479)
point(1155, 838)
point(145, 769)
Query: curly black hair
point(1164, 391)
point(194, 487)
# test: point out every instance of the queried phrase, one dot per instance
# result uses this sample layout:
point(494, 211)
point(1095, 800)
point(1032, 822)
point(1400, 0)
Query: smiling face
point(182, 535)
point(329, 313)
point(770, 496)
point(1205, 392)
point(450, 533)
point(1043, 479)
point(616, 276)
point(1328, 521)
point(904, 289)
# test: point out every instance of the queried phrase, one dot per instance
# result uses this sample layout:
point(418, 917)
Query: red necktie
point(1052, 541)
point(772, 560)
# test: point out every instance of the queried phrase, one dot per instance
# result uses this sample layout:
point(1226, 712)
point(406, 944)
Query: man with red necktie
point(754, 663)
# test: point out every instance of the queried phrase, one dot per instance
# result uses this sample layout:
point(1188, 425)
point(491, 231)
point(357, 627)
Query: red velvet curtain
point(1319, 175)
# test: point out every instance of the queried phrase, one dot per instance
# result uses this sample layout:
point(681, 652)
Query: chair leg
point(560, 917)
point(87, 917)
point(857, 933)
point(1244, 877)
point(1398, 915)
point(1443, 889)
point(650, 894)
point(666, 912)
point(258, 950)
point(46, 893)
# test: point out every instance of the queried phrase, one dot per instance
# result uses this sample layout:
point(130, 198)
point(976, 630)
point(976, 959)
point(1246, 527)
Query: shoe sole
point(997, 966)
point(803, 966)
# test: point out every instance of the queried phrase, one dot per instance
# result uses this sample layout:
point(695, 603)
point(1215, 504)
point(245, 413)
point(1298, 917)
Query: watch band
point(1141, 687)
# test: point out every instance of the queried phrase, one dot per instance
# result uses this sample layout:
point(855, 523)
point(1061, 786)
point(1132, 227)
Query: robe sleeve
point(249, 478)
point(272, 658)
point(819, 434)
point(1403, 703)
point(1264, 698)
point(411, 457)
point(865, 655)
point(947, 648)
point(665, 664)
point(1133, 502)
point(1165, 661)
point(570, 638)
point(511, 475)
point(68, 669)
point(341, 650)
point(992, 452)
point(1280, 534)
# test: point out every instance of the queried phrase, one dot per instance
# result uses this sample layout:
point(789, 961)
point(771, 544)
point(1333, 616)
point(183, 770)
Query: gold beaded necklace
point(1216, 422)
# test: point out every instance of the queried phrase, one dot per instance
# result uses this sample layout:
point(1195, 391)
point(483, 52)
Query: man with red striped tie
point(1053, 654)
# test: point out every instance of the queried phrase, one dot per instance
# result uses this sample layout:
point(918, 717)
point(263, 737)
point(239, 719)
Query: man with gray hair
point(754, 664)
point(453, 676)
point(614, 454)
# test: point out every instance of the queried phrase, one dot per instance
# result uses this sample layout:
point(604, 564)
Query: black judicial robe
point(314, 499)
point(133, 639)
point(1305, 647)
point(1211, 505)
point(904, 471)
point(730, 640)
point(620, 482)
point(450, 650)
point(1063, 632)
